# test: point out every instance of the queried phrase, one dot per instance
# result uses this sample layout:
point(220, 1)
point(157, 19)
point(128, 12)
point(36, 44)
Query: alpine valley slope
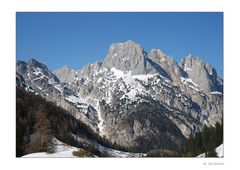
point(134, 99)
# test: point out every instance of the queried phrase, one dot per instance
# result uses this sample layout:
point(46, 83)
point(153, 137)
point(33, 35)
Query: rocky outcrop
point(167, 63)
point(65, 74)
point(127, 56)
point(201, 73)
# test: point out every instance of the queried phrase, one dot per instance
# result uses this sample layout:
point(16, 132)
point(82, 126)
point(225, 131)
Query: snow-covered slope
point(219, 151)
point(61, 149)
point(63, 154)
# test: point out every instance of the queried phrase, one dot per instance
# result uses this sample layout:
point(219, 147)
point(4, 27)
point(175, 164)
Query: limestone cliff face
point(201, 73)
point(131, 57)
point(170, 66)
point(65, 74)
point(127, 56)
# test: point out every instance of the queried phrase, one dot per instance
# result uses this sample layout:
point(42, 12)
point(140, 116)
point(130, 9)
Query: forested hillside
point(203, 142)
point(37, 120)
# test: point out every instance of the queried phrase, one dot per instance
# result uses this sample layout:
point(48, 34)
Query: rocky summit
point(133, 98)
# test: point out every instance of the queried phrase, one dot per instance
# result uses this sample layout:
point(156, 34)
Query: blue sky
point(76, 39)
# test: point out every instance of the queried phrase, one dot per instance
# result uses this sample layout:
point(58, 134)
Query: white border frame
point(8, 11)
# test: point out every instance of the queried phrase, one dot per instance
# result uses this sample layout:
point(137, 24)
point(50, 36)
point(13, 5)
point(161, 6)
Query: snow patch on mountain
point(118, 73)
point(58, 87)
point(75, 99)
point(64, 154)
point(134, 86)
point(100, 124)
point(78, 102)
point(218, 150)
point(60, 146)
point(186, 68)
point(61, 150)
point(189, 82)
point(38, 72)
point(99, 79)
point(144, 78)
point(216, 92)
point(131, 87)
point(55, 84)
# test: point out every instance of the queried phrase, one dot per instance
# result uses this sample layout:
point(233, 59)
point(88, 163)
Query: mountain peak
point(167, 63)
point(190, 57)
point(66, 67)
point(127, 56)
point(131, 42)
point(157, 51)
point(191, 61)
point(65, 74)
point(34, 63)
point(200, 72)
point(157, 54)
point(124, 45)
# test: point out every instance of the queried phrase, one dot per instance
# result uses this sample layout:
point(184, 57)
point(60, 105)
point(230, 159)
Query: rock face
point(131, 57)
point(135, 99)
point(201, 73)
point(65, 74)
point(127, 56)
point(170, 66)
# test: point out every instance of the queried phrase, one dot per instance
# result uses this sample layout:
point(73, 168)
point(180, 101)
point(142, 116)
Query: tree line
point(205, 141)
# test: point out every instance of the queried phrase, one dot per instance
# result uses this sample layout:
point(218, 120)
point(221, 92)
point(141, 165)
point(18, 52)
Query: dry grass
point(82, 153)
